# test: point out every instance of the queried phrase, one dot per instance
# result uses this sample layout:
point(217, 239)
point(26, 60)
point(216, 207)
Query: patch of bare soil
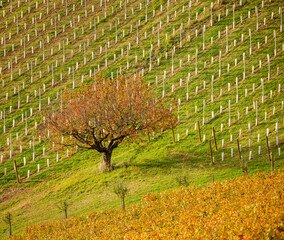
point(12, 193)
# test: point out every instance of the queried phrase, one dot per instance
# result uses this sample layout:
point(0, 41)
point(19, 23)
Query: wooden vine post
point(16, 169)
point(272, 164)
point(243, 162)
point(268, 150)
point(198, 126)
point(148, 134)
point(173, 133)
point(239, 151)
point(212, 162)
point(215, 139)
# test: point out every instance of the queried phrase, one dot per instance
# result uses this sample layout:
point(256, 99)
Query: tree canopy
point(101, 115)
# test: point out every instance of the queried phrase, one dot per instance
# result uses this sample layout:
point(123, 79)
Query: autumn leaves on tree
point(101, 115)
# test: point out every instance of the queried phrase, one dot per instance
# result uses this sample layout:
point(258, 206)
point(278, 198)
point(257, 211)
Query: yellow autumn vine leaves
point(245, 208)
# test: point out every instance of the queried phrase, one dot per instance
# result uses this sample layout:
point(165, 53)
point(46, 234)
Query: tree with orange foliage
point(101, 115)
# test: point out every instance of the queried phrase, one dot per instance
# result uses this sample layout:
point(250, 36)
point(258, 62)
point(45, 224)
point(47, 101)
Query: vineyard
point(221, 61)
point(245, 208)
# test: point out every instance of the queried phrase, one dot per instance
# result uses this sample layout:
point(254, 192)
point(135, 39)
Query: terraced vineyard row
point(244, 208)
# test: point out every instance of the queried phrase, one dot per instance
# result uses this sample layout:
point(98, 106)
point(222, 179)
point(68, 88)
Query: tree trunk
point(107, 161)
point(123, 204)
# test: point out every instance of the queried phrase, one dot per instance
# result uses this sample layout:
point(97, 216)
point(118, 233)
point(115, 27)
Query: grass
point(147, 167)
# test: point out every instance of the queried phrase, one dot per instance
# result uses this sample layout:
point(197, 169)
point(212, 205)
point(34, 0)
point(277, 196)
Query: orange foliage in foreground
point(245, 208)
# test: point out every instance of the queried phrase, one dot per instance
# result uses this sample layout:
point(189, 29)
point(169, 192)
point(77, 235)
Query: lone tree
point(120, 189)
point(101, 115)
point(63, 207)
point(8, 219)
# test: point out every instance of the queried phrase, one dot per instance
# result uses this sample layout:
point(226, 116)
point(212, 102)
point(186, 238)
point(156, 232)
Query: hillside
point(245, 208)
point(223, 61)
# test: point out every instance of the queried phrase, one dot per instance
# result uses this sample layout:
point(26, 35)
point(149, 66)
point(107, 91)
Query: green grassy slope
point(241, 208)
point(146, 167)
